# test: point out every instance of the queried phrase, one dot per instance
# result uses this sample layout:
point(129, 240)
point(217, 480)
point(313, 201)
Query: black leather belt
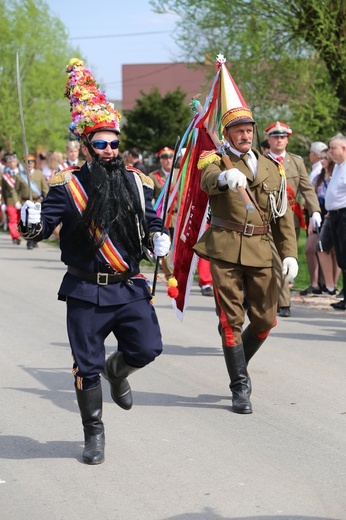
point(341, 210)
point(101, 278)
point(246, 229)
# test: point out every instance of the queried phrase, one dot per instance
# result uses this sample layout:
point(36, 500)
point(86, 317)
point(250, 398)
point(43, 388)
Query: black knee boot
point(90, 406)
point(240, 381)
point(251, 344)
point(116, 372)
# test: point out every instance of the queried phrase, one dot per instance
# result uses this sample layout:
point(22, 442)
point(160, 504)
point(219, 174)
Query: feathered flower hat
point(90, 109)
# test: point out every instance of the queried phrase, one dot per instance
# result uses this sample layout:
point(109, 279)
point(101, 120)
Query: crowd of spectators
point(320, 253)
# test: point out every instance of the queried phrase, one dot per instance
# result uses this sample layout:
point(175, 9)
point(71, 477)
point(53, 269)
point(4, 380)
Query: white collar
point(276, 155)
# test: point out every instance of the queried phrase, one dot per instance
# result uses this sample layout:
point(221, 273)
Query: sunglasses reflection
point(100, 144)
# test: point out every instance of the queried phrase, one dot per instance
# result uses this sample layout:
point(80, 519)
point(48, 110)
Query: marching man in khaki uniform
point(72, 148)
point(159, 178)
point(38, 184)
point(10, 199)
point(297, 183)
point(238, 246)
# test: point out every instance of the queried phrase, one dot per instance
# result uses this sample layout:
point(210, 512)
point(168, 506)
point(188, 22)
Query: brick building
point(167, 77)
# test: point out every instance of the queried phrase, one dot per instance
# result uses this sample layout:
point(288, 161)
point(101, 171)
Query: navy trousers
point(134, 325)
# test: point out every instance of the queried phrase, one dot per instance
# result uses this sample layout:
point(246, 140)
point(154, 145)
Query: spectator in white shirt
point(335, 203)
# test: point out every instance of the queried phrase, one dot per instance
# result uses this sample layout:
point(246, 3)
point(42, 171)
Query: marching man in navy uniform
point(107, 218)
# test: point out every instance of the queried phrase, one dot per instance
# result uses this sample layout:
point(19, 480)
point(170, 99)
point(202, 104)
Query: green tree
point(28, 28)
point(288, 58)
point(156, 120)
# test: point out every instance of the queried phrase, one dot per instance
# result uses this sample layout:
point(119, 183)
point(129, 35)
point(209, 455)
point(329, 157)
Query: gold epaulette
point(146, 180)
point(208, 157)
point(63, 177)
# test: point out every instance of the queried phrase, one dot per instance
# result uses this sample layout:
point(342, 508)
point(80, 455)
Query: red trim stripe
point(228, 331)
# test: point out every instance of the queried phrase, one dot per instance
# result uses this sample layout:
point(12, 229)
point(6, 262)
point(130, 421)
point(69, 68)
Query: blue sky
point(85, 19)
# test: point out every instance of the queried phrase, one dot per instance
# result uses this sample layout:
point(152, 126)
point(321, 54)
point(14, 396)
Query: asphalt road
point(180, 453)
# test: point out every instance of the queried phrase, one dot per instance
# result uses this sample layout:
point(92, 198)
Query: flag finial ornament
point(203, 144)
point(220, 58)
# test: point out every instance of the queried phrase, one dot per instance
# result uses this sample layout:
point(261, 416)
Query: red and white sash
point(108, 250)
point(9, 179)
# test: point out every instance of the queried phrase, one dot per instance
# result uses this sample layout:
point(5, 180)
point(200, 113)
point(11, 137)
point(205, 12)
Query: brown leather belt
point(101, 278)
point(246, 229)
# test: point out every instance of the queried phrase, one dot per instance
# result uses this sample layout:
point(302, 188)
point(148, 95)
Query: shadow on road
point(18, 447)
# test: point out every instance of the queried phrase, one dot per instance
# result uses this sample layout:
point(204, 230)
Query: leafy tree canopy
point(43, 55)
point(287, 57)
point(156, 121)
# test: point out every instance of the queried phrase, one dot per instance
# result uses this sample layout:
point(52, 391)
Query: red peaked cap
point(165, 150)
point(278, 128)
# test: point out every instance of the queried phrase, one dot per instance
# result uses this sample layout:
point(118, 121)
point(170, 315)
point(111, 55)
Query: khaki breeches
point(233, 282)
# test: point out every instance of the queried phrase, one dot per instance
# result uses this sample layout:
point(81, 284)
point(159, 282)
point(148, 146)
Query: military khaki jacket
point(22, 187)
point(233, 246)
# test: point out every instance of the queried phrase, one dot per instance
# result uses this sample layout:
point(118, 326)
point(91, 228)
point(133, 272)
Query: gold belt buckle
point(248, 229)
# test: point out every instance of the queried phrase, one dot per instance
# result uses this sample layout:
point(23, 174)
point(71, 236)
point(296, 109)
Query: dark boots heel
point(90, 406)
point(240, 381)
point(251, 344)
point(116, 372)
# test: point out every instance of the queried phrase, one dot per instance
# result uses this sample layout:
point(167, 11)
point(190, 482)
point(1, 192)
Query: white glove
point(289, 268)
point(3, 208)
point(233, 178)
point(162, 244)
point(316, 219)
point(18, 205)
point(34, 212)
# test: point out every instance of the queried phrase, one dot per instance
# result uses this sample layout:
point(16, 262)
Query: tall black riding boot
point(240, 381)
point(251, 344)
point(90, 406)
point(116, 372)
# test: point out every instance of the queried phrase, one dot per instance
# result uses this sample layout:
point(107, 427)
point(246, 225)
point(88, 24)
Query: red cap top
point(165, 151)
point(278, 128)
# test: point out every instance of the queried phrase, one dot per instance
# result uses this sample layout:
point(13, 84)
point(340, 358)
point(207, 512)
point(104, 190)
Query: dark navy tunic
point(94, 311)
point(58, 207)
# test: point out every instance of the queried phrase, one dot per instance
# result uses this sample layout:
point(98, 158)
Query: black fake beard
point(113, 206)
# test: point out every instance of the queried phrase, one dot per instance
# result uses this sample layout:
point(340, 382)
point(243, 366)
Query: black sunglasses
point(100, 144)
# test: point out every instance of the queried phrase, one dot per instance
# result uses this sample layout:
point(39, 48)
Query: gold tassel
point(281, 170)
